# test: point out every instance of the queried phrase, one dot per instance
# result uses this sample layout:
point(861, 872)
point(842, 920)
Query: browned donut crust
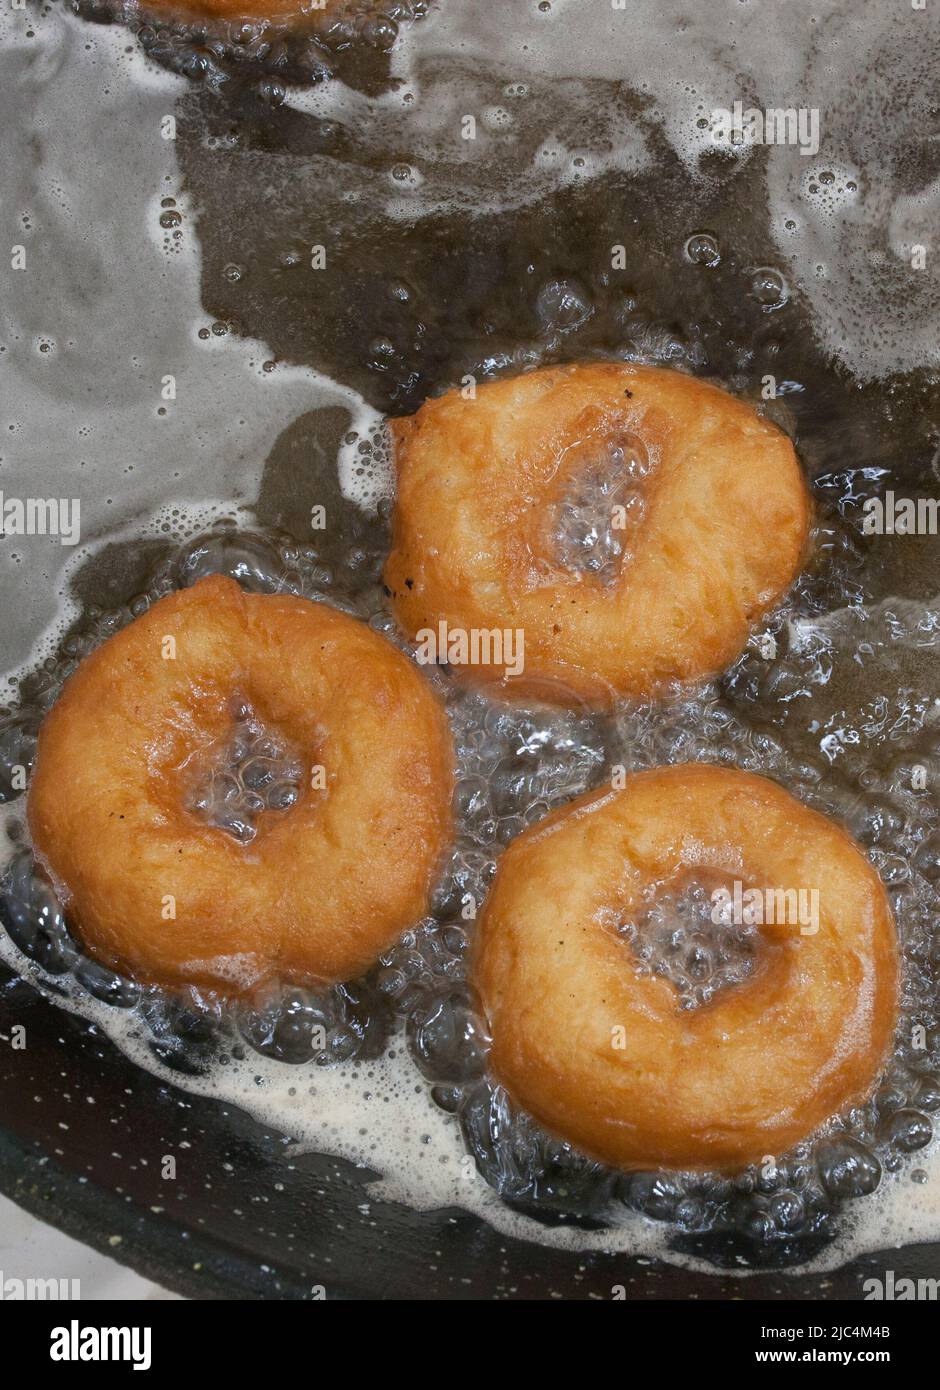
point(726, 523)
point(326, 886)
point(751, 1073)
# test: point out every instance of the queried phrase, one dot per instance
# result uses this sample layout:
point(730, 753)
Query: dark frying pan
point(269, 1226)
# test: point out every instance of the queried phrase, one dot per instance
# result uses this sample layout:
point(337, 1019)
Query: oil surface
point(217, 333)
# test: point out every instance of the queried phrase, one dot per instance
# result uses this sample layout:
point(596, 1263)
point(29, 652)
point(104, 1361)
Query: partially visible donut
point(303, 13)
point(723, 521)
point(600, 1052)
point(324, 886)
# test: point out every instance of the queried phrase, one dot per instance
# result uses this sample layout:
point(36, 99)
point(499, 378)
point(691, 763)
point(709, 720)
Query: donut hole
point(593, 521)
point(251, 770)
point(680, 934)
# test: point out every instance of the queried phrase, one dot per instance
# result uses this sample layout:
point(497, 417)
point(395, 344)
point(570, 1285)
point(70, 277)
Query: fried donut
point(599, 1052)
point(324, 886)
point(715, 517)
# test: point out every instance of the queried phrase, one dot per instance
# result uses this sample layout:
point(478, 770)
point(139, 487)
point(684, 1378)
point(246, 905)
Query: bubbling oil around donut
point(595, 526)
point(514, 766)
point(233, 781)
point(681, 936)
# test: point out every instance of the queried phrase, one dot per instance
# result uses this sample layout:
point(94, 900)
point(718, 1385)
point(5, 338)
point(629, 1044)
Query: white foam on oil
point(110, 393)
point(454, 153)
point(365, 461)
point(652, 70)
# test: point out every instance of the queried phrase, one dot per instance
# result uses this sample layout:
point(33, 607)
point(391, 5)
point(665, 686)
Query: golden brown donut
point(326, 885)
point(750, 1073)
point(724, 529)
